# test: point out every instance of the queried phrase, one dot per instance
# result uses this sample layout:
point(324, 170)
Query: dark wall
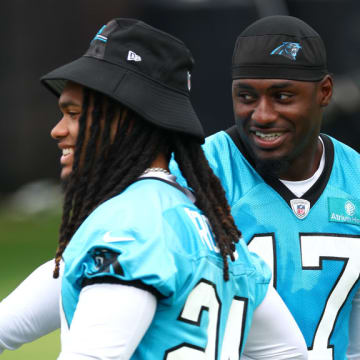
point(41, 35)
point(38, 36)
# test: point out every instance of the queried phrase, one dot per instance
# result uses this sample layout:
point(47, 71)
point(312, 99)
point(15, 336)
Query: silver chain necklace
point(156, 169)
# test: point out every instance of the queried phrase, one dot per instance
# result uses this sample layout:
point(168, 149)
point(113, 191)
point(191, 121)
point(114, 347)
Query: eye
point(283, 96)
point(73, 114)
point(245, 97)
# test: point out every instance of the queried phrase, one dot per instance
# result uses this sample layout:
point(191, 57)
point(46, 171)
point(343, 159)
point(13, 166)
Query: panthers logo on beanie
point(287, 49)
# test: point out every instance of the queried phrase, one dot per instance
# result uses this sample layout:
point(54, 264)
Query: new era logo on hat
point(133, 56)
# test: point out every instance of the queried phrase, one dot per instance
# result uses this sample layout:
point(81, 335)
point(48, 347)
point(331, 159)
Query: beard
point(269, 167)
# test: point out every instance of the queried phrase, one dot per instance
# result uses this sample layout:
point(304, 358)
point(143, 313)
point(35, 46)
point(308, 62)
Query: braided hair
point(114, 147)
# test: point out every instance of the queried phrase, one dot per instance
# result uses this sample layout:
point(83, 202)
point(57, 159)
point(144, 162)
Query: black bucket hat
point(279, 47)
point(140, 66)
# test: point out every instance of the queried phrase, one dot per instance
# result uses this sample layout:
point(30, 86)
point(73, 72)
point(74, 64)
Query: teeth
point(271, 136)
point(67, 151)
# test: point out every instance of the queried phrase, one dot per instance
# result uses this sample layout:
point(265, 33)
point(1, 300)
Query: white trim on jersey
point(170, 178)
point(299, 188)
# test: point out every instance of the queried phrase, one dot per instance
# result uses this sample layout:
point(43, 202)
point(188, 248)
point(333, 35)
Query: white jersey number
point(204, 298)
point(314, 249)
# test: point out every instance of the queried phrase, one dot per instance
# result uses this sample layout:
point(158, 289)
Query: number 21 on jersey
point(204, 297)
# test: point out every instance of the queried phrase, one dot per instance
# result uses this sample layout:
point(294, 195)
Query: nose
point(60, 130)
point(264, 113)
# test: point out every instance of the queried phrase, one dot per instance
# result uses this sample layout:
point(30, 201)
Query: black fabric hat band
point(142, 68)
point(279, 47)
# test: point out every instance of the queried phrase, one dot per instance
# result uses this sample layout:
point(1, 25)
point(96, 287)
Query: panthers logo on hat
point(287, 49)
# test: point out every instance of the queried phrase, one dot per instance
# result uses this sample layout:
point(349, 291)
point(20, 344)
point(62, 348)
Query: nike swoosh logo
point(108, 238)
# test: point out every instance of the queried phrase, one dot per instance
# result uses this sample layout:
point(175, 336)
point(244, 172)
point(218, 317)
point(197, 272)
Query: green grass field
point(25, 243)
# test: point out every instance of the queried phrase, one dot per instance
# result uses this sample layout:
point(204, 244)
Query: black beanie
point(279, 47)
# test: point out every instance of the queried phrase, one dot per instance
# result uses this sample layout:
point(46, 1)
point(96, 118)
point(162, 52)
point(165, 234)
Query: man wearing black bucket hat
point(147, 273)
point(293, 191)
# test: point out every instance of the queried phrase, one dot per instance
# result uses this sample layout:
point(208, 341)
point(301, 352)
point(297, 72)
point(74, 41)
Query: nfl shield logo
point(300, 207)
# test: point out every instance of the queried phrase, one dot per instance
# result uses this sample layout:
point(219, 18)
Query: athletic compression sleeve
point(109, 322)
point(31, 310)
point(274, 334)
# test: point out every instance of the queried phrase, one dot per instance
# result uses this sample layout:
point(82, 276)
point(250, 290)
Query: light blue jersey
point(312, 244)
point(153, 237)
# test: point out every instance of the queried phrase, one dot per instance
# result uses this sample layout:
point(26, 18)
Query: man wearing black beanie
point(294, 192)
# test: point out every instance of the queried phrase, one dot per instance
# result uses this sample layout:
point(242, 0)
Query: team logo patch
point(133, 56)
point(105, 261)
point(287, 49)
point(300, 207)
point(344, 210)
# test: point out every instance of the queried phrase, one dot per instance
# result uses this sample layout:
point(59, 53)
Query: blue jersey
point(312, 244)
point(152, 236)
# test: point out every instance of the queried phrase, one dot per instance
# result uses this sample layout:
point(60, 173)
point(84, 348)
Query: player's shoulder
point(219, 142)
point(230, 164)
point(346, 159)
point(142, 212)
point(223, 150)
point(144, 207)
point(144, 195)
point(340, 145)
point(250, 273)
point(251, 263)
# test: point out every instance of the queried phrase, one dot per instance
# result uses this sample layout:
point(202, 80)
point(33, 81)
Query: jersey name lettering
point(203, 227)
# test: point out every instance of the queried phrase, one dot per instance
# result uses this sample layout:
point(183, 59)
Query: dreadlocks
point(114, 147)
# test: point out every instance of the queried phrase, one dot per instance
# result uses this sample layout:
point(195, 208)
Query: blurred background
point(43, 34)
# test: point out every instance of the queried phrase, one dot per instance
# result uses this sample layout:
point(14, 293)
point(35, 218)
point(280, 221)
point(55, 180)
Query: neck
point(160, 162)
point(305, 165)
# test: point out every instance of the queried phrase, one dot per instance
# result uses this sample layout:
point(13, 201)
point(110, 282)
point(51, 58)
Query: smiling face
point(67, 129)
point(279, 122)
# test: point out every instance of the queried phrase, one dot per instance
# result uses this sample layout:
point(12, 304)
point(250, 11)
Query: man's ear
point(325, 90)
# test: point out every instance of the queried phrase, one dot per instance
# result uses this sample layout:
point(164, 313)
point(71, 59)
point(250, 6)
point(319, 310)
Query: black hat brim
point(156, 103)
